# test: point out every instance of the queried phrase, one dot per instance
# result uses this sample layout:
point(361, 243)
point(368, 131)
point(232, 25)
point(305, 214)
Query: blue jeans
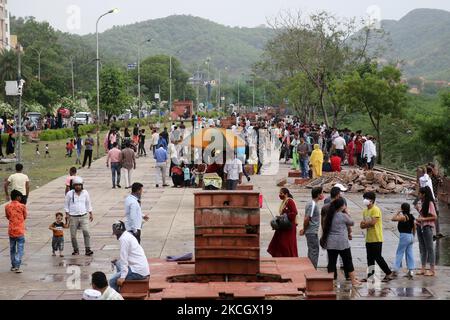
point(16, 246)
point(115, 171)
point(304, 167)
point(405, 248)
point(130, 276)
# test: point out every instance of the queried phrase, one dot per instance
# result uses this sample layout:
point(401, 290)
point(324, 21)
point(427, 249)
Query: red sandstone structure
point(227, 259)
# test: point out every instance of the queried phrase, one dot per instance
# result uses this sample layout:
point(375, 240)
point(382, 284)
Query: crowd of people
point(313, 149)
point(336, 224)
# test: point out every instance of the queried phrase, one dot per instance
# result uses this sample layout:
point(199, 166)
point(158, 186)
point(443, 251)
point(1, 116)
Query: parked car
point(83, 118)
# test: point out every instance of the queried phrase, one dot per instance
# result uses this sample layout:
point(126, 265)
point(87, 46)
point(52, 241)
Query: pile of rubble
point(364, 181)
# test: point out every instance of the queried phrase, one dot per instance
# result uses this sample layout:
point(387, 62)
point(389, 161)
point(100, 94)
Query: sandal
point(420, 273)
point(430, 274)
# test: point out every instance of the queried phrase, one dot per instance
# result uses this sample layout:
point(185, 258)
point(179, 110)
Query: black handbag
point(281, 223)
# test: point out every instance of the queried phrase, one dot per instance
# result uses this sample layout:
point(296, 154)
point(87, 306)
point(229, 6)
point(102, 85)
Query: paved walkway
point(169, 232)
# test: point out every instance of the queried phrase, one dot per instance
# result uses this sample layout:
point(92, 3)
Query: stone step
point(320, 295)
point(246, 187)
point(317, 282)
point(301, 182)
point(294, 174)
point(135, 289)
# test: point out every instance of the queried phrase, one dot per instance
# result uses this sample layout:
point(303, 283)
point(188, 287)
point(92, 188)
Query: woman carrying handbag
point(284, 241)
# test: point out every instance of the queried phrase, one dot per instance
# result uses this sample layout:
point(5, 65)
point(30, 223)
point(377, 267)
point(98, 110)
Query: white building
point(5, 38)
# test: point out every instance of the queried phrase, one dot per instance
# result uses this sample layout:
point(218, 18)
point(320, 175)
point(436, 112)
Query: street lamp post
point(73, 80)
point(19, 118)
point(139, 76)
point(39, 52)
point(208, 88)
point(170, 87)
point(19, 125)
point(170, 82)
point(98, 81)
point(198, 85)
point(239, 93)
point(253, 93)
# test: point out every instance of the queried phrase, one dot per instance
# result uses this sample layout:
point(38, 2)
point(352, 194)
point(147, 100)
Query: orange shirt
point(16, 213)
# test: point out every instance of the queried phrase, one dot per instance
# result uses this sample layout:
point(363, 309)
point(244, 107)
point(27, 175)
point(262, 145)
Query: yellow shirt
point(375, 233)
point(18, 182)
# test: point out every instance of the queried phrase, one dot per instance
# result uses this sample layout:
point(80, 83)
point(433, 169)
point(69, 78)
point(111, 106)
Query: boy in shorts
point(58, 234)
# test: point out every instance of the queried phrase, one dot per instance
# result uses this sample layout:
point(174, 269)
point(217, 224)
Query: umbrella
point(204, 137)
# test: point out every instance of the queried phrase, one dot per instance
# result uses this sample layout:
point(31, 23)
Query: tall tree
point(322, 47)
point(377, 91)
point(435, 131)
point(302, 95)
point(155, 73)
point(114, 99)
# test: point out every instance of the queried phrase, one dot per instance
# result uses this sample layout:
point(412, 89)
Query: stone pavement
point(170, 231)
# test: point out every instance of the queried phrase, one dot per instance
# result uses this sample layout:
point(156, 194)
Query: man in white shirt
point(369, 153)
point(233, 171)
point(78, 210)
point(339, 144)
point(155, 139)
point(20, 182)
point(133, 264)
point(100, 283)
point(425, 181)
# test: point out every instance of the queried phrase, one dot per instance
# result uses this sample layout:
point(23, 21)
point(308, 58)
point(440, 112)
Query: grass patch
point(43, 170)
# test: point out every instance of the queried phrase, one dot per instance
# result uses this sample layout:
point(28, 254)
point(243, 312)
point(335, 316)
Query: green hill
point(421, 39)
point(197, 38)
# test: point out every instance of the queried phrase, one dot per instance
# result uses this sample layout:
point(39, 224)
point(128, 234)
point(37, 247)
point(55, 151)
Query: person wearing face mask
point(284, 242)
point(311, 225)
point(133, 211)
point(373, 223)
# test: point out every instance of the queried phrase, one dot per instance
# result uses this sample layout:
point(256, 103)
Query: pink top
point(113, 156)
point(432, 211)
point(68, 179)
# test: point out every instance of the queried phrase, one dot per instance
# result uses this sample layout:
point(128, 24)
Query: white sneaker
point(13, 269)
point(18, 270)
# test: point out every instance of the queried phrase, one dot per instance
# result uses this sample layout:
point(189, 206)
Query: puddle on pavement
point(62, 277)
point(412, 292)
point(395, 292)
point(75, 262)
point(443, 252)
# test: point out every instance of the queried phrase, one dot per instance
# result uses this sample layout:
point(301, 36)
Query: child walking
point(47, 151)
point(16, 213)
point(406, 227)
point(58, 234)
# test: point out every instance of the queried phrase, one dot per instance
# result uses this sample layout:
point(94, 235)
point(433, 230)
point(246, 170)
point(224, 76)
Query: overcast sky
point(79, 16)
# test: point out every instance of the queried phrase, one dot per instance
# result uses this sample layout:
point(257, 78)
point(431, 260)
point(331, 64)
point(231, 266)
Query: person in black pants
point(335, 239)
point(89, 143)
point(142, 151)
point(372, 222)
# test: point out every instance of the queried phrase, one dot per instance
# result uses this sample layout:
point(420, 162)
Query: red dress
point(335, 164)
point(284, 242)
point(351, 153)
